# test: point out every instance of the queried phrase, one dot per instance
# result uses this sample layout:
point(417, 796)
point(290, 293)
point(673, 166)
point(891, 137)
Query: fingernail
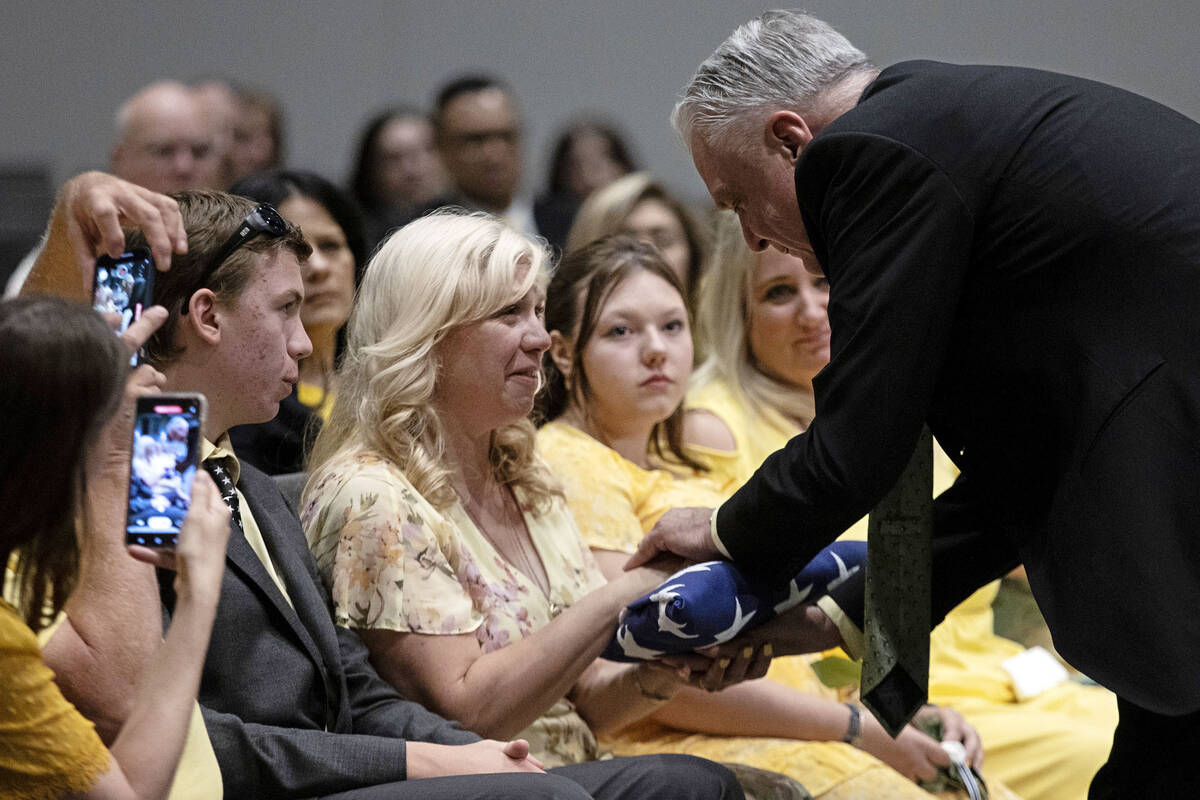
point(723, 663)
point(747, 652)
point(768, 650)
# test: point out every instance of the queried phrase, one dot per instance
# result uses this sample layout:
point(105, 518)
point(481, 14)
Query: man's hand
point(684, 531)
point(427, 760)
point(714, 668)
point(88, 218)
point(97, 206)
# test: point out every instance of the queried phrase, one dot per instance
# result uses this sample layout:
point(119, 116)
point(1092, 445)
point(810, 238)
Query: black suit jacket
point(291, 703)
point(1014, 257)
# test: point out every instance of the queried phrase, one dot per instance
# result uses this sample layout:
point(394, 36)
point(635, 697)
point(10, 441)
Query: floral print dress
point(391, 561)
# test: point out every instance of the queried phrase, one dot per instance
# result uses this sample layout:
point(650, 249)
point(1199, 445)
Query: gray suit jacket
point(292, 705)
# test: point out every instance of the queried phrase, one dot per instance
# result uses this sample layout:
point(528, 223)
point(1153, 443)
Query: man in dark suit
point(1014, 259)
point(291, 704)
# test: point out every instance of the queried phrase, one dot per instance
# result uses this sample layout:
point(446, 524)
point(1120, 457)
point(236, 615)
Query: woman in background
point(332, 225)
point(642, 207)
point(588, 156)
point(397, 170)
point(617, 372)
point(765, 317)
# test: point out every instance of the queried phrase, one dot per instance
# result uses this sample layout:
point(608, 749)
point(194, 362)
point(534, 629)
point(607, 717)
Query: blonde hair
point(605, 210)
point(436, 274)
point(724, 323)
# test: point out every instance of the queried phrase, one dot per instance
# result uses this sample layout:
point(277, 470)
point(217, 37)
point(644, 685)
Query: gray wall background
point(68, 65)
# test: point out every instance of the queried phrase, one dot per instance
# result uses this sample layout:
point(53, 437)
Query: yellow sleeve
point(47, 748)
point(599, 492)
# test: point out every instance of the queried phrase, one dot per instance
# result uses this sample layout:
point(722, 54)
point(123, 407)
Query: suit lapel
point(289, 566)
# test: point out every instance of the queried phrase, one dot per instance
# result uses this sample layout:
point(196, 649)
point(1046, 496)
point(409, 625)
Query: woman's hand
point(955, 728)
point(199, 556)
point(913, 754)
point(640, 580)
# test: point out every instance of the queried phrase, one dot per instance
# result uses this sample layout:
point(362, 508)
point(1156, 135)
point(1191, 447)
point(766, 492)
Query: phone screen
point(166, 454)
point(124, 286)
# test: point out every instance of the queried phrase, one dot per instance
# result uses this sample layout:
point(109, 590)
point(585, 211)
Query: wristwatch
point(853, 734)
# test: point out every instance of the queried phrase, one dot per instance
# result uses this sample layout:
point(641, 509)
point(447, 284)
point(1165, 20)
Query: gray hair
point(782, 59)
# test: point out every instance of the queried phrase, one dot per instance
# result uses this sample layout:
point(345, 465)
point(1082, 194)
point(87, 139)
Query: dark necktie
point(895, 674)
point(225, 485)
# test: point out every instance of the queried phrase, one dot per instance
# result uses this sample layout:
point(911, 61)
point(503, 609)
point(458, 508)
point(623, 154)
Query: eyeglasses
point(263, 219)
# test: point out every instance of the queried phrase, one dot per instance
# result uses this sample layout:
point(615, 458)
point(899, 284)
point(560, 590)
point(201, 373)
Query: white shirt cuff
point(716, 539)
point(852, 638)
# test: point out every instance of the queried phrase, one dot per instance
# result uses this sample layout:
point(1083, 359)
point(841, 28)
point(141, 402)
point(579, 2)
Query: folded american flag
point(712, 602)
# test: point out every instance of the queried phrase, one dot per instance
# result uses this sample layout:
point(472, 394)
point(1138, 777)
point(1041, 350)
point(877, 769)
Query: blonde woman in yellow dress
point(617, 371)
point(765, 319)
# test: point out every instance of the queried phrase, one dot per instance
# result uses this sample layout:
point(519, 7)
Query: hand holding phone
point(95, 208)
point(199, 555)
point(165, 457)
point(123, 288)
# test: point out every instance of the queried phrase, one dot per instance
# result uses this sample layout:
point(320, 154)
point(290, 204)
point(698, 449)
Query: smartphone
point(124, 286)
point(166, 454)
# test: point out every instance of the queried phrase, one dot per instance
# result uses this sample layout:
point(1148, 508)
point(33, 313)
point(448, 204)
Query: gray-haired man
point(1014, 259)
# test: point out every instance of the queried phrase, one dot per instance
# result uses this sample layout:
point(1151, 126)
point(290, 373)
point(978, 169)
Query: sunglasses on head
point(263, 219)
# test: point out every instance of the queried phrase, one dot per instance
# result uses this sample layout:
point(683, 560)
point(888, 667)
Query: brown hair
point(581, 286)
point(209, 218)
point(63, 373)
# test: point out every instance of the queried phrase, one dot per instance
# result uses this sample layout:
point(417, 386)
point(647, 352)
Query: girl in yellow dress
point(764, 317)
point(618, 368)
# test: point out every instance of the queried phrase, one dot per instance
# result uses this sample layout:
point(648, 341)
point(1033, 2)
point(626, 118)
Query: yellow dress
point(614, 502)
point(198, 776)
point(393, 562)
point(47, 748)
point(316, 398)
point(1044, 748)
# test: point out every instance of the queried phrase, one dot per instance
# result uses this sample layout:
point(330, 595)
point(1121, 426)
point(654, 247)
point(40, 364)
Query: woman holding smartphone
point(64, 372)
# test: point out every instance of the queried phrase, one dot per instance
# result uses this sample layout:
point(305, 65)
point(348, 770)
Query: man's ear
point(787, 133)
point(202, 319)
point(560, 353)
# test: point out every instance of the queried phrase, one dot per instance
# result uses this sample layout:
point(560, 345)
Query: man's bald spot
point(159, 98)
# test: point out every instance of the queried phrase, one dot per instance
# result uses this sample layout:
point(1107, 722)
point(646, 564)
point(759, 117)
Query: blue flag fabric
point(713, 602)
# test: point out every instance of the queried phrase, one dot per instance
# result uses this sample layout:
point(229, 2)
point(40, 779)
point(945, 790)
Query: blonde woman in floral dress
point(444, 540)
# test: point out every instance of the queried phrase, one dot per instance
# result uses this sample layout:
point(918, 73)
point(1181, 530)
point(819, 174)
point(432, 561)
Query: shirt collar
point(222, 450)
